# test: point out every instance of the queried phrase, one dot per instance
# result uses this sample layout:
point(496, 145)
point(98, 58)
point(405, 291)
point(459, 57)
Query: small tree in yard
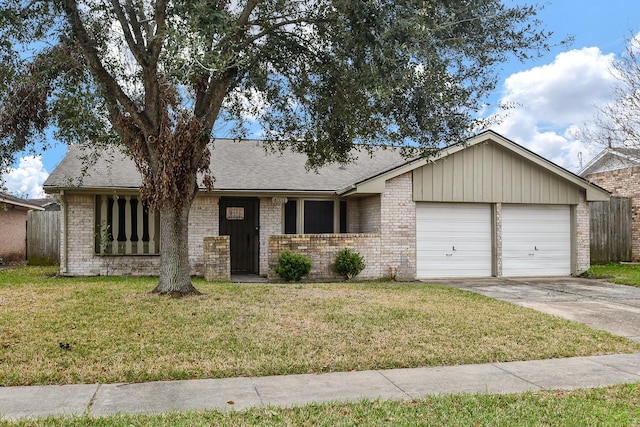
point(155, 76)
point(349, 264)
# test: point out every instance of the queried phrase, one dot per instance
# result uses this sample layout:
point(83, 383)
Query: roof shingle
point(236, 165)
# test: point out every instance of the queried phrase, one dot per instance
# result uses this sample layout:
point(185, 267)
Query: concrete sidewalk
point(290, 390)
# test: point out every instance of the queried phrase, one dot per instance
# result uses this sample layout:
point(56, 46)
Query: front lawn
point(111, 329)
point(624, 274)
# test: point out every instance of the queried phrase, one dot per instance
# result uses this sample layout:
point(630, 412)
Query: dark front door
point(239, 219)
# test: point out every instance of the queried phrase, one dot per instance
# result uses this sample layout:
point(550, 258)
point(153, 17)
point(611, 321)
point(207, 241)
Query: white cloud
point(26, 180)
point(553, 101)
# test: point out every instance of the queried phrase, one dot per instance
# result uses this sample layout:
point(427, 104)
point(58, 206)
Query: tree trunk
point(175, 279)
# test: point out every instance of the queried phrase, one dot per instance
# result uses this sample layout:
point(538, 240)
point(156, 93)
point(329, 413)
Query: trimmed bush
point(349, 264)
point(292, 267)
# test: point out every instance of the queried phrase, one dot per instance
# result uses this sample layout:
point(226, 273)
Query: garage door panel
point(536, 240)
point(453, 240)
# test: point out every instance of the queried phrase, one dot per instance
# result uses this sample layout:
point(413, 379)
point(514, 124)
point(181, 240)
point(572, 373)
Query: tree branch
point(135, 23)
point(113, 93)
point(208, 104)
point(127, 28)
point(281, 24)
point(155, 42)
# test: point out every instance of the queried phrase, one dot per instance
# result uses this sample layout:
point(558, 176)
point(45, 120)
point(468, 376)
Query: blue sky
point(555, 94)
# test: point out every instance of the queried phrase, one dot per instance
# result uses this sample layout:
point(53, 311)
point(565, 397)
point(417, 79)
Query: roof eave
point(21, 204)
point(215, 192)
point(593, 192)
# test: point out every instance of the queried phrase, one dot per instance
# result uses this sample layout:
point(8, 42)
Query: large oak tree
point(317, 75)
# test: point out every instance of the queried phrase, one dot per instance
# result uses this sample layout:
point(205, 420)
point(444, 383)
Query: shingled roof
point(242, 166)
point(9, 199)
point(612, 158)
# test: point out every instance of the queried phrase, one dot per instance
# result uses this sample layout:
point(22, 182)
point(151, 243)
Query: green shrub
point(292, 267)
point(349, 264)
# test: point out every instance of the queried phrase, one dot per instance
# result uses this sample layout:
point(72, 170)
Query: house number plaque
point(235, 213)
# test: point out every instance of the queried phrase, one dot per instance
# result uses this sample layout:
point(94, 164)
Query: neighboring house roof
point(43, 203)
point(246, 167)
point(612, 158)
point(8, 199)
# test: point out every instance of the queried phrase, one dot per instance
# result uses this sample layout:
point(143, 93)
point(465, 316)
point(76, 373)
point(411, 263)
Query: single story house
point(13, 228)
point(488, 207)
point(617, 170)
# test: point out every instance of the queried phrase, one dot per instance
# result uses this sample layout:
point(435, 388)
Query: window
point(315, 216)
point(318, 216)
point(124, 226)
point(343, 216)
point(290, 217)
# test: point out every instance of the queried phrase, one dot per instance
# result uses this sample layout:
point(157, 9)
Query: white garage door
point(453, 240)
point(536, 240)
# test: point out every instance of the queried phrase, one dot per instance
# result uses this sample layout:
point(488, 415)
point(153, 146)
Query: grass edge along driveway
point(622, 274)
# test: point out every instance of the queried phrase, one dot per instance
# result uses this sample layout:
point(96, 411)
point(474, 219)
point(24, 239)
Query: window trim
point(300, 213)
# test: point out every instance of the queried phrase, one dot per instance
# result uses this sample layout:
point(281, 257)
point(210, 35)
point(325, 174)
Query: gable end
point(489, 173)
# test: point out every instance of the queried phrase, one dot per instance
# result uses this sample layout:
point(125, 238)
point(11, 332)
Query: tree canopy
point(316, 75)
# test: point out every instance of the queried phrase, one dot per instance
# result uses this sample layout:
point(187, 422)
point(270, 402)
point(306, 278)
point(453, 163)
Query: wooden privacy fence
point(611, 226)
point(43, 237)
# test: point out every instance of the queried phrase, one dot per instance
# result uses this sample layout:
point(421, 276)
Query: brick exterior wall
point(322, 249)
point(81, 260)
point(270, 223)
point(387, 224)
point(582, 236)
point(398, 228)
point(217, 258)
point(353, 216)
point(13, 234)
point(497, 236)
point(204, 221)
point(624, 183)
point(382, 228)
point(369, 214)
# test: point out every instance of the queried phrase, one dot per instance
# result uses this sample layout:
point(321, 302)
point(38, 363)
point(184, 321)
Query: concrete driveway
point(613, 308)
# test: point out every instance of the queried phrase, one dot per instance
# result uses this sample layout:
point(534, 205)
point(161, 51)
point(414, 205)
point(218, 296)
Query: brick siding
point(583, 254)
point(270, 224)
point(81, 259)
point(353, 216)
point(388, 241)
point(369, 214)
point(217, 258)
point(322, 249)
point(387, 224)
point(382, 228)
point(497, 251)
point(398, 228)
point(203, 222)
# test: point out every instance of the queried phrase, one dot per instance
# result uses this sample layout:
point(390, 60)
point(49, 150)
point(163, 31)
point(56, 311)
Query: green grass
point(624, 274)
point(610, 406)
point(118, 331)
